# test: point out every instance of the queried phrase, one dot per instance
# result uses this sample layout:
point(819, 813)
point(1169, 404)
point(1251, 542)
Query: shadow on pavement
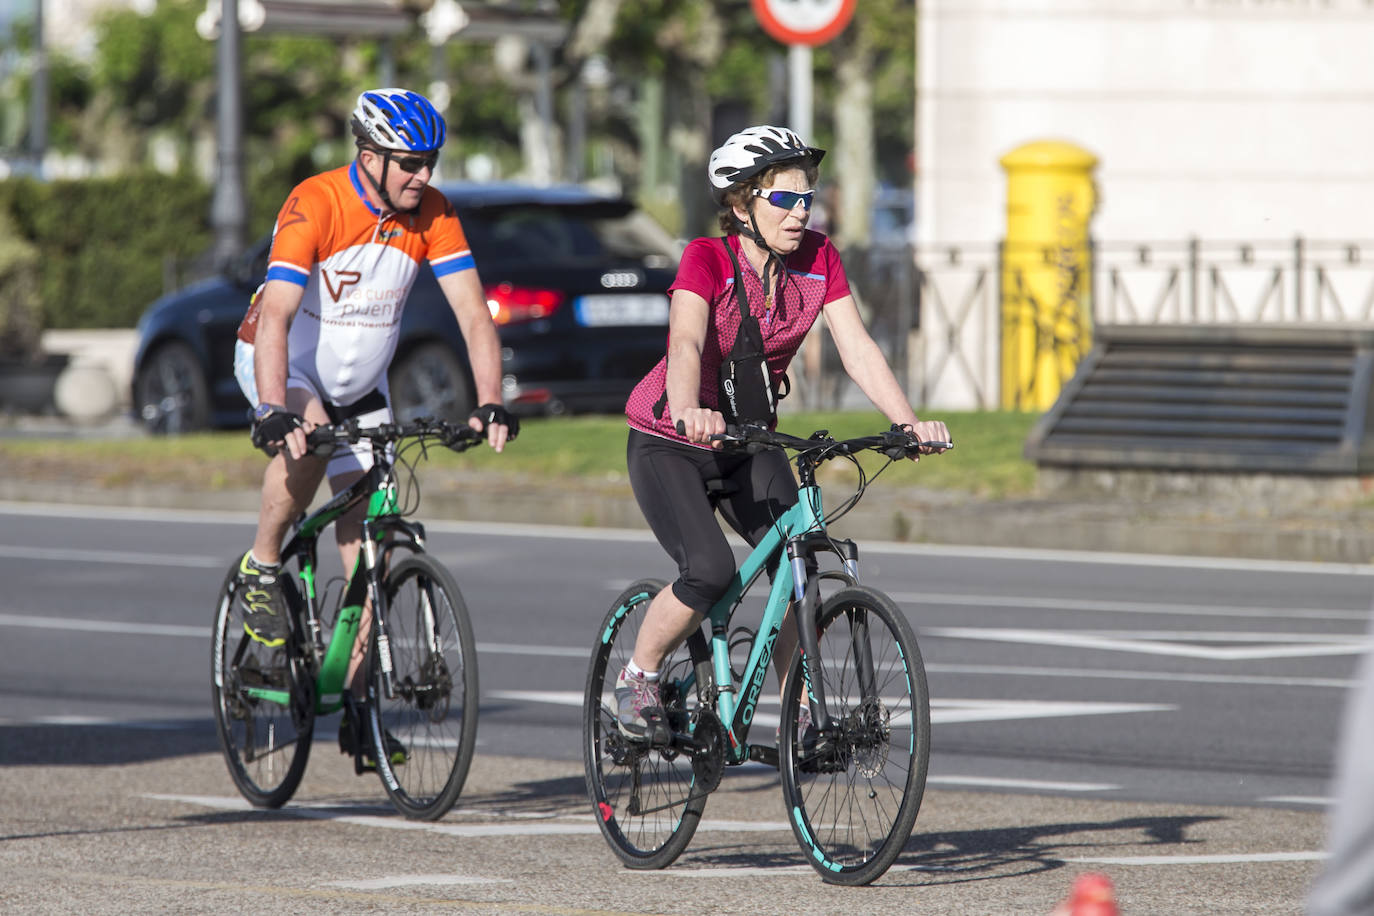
point(955, 857)
point(1000, 852)
point(537, 796)
point(105, 744)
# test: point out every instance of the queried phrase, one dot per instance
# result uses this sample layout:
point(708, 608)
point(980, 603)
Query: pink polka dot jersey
point(815, 277)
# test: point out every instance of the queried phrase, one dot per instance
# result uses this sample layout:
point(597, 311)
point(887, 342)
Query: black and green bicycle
point(852, 782)
point(420, 720)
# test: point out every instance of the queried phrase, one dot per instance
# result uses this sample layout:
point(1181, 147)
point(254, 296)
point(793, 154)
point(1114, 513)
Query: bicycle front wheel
point(853, 792)
point(646, 798)
point(423, 735)
point(264, 704)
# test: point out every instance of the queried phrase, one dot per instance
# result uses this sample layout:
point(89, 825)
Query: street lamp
point(38, 120)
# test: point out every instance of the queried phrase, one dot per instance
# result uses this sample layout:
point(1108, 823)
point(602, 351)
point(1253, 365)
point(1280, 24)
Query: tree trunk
point(854, 158)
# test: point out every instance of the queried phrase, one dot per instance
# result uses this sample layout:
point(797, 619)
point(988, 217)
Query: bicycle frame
point(800, 533)
point(330, 661)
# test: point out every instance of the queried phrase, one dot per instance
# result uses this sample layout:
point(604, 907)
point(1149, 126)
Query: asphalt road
point(1168, 720)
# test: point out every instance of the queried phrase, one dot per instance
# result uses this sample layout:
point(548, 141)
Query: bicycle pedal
point(762, 753)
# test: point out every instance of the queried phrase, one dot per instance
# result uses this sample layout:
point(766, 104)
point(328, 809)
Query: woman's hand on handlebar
point(930, 431)
point(699, 424)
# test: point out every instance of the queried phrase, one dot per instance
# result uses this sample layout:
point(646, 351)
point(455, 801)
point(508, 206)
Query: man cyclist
point(321, 331)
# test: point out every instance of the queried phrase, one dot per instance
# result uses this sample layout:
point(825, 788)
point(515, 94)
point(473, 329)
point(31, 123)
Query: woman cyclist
point(740, 308)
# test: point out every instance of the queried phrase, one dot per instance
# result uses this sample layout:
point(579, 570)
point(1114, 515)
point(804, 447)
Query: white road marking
point(1108, 606)
point(552, 697)
point(566, 825)
point(1254, 680)
point(127, 628)
point(983, 782)
point(377, 884)
point(1108, 558)
point(502, 648)
point(119, 627)
point(941, 710)
point(569, 532)
point(1024, 671)
point(89, 721)
point(1154, 643)
point(1236, 859)
point(949, 711)
point(745, 871)
point(1314, 800)
point(118, 557)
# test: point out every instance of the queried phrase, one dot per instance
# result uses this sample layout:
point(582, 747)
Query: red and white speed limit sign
point(804, 22)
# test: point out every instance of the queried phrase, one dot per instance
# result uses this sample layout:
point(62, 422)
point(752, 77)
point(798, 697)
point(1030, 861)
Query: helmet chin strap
point(380, 187)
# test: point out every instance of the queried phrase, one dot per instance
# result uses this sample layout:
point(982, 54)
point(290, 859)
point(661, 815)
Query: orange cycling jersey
point(357, 266)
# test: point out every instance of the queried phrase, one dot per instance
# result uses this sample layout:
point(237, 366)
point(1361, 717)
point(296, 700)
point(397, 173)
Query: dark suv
point(576, 281)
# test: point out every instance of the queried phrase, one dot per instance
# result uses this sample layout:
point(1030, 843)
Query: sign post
point(802, 25)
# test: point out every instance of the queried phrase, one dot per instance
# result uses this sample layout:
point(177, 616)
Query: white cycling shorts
point(344, 461)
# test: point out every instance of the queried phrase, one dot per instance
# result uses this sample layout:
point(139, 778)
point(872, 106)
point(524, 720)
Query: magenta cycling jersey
point(815, 277)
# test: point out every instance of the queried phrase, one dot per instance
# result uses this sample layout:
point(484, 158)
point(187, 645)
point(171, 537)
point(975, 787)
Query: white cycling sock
point(636, 671)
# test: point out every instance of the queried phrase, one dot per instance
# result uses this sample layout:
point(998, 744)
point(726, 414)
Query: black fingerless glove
point(488, 414)
point(274, 427)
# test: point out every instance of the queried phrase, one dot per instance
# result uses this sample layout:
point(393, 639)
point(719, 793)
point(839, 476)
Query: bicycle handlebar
point(895, 443)
point(456, 436)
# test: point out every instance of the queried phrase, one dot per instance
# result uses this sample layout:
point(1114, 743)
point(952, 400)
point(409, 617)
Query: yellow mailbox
point(1046, 270)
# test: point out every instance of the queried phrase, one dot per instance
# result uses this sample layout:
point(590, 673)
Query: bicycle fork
point(801, 554)
point(372, 550)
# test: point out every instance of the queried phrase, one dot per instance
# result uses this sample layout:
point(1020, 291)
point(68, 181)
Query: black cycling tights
point(670, 484)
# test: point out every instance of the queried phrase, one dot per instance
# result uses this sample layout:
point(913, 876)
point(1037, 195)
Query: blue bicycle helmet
point(398, 120)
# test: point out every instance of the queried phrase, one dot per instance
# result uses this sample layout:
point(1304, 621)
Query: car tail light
point(512, 304)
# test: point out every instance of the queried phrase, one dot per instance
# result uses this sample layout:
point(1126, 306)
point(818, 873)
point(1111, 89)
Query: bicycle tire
point(433, 713)
point(266, 745)
point(852, 801)
point(643, 798)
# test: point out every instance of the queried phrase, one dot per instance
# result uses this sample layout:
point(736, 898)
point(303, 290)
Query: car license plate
point(628, 309)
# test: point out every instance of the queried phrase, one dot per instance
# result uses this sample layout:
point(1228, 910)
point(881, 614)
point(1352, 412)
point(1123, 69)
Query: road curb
point(1041, 524)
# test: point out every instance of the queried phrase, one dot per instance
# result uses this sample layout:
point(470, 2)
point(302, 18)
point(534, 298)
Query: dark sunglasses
point(786, 200)
point(413, 164)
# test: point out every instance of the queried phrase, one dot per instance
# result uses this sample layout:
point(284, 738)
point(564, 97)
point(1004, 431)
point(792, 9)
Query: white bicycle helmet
point(754, 150)
point(399, 120)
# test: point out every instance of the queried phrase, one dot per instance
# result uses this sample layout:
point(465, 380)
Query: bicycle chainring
point(708, 758)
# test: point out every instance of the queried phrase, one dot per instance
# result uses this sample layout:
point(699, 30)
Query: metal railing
point(959, 289)
point(1299, 281)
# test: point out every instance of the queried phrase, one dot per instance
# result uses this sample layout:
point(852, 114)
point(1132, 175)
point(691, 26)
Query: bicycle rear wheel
point(646, 799)
point(433, 715)
point(852, 796)
point(264, 703)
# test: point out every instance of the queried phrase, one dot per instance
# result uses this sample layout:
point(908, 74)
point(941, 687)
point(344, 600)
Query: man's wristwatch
point(265, 410)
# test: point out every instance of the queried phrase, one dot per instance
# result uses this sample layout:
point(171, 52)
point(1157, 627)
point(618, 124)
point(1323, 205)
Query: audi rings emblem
point(621, 279)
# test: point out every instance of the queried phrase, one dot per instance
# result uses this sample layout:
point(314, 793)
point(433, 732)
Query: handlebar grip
point(321, 440)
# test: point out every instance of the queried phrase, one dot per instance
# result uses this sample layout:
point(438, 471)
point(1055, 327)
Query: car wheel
point(430, 381)
point(171, 393)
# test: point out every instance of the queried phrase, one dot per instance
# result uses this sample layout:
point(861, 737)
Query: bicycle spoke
point(423, 736)
point(855, 797)
point(266, 744)
point(643, 796)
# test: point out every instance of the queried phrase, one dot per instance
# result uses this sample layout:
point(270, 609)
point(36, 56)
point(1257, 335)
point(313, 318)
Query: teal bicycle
point(421, 710)
point(852, 782)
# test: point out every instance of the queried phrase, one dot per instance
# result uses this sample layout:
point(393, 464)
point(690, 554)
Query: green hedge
point(107, 243)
